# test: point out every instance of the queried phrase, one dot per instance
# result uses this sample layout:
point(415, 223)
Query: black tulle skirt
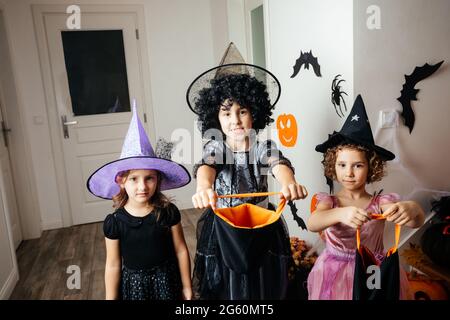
point(162, 282)
point(223, 270)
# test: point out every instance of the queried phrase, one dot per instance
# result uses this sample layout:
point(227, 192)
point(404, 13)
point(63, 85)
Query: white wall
point(412, 33)
point(180, 42)
point(326, 28)
point(236, 25)
point(219, 27)
point(181, 45)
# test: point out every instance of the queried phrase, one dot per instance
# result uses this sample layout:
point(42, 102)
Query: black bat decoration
point(306, 59)
point(297, 218)
point(409, 93)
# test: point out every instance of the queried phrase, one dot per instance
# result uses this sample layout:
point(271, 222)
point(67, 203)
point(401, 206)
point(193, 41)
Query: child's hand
point(293, 191)
point(353, 216)
point(404, 212)
point(205, 198)
point(187, 293)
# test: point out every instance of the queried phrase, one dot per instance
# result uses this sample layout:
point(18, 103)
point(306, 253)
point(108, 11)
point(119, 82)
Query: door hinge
point(137, 34)
point(145, 117)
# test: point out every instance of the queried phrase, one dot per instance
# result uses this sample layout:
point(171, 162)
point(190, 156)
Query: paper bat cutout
point(409, 93)
point(297, 218)
point(306, 59)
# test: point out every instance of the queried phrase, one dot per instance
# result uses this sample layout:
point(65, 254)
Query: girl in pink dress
point(352, 159)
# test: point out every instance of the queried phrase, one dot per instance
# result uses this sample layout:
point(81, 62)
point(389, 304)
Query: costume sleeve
point(212, 156)
point(173, 215)
point(321, 197)
point(389, 198)
point(270, 156)
point(111, 227)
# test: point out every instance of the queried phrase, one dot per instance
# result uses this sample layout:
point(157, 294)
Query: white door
point(8, 214)
point(89, 136)
point(6, 181)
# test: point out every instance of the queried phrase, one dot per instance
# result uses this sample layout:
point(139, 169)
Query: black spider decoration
point(336, 95)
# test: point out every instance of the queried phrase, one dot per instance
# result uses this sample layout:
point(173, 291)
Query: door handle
point(65, 125)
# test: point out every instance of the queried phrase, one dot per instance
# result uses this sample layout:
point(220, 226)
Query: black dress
point(149, 264)
point(215, 276)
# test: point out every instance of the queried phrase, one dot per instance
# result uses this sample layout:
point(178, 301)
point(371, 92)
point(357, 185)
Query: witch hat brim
point(102, 182)
point(137, 154)
point(233, 63)
point(356, 130)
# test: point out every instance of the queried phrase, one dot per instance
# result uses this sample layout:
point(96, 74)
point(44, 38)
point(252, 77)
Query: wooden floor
point(43, 262)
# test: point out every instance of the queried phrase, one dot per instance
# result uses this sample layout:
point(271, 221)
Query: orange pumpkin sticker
point(287, 129)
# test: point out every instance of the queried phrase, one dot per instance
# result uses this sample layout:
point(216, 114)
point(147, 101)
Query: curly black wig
point(243, 89)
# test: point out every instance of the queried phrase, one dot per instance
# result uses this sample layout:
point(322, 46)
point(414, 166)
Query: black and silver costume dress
point(219, 277)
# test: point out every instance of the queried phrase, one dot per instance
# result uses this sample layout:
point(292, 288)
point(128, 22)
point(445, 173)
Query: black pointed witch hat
point(232, 63)
point(356, 130)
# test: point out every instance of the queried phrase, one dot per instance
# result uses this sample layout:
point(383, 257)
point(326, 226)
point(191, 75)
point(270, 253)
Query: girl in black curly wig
point(243, 89)
point(236, 105)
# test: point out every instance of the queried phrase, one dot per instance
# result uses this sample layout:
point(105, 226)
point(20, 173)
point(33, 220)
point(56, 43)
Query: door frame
point(249, 5)
point(39, 12)
point(8, 287)
point(19, 151)
point(12, 230)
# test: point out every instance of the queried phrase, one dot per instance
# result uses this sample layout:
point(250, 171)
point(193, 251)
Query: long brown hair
point(158, 200)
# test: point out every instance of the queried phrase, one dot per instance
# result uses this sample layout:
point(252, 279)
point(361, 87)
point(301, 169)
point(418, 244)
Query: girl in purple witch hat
point(146, 253)
point(352, 158)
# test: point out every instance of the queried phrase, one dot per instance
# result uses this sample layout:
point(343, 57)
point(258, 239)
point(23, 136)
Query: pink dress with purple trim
point(331, 278)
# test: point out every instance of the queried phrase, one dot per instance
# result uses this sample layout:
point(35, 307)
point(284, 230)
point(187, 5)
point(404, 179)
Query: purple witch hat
point(137, 153)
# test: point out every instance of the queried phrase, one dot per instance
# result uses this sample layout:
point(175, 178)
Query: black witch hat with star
point(356, 130)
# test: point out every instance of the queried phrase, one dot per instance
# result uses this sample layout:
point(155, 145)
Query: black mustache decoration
point(409, 93)
point(306, 59)
point(297, 218)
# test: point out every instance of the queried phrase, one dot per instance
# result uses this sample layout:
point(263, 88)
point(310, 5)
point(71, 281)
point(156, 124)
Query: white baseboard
point(50, 225)
point(9, 285)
